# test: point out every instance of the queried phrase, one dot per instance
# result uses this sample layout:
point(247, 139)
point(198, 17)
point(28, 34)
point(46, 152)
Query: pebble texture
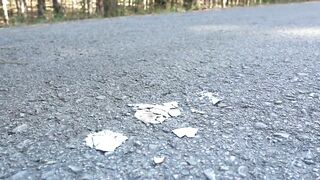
point(60, 82)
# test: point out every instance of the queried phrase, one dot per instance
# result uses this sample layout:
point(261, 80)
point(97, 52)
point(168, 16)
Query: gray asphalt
point(263, 62)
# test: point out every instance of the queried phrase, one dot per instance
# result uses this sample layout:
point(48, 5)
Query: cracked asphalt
point(60, 82)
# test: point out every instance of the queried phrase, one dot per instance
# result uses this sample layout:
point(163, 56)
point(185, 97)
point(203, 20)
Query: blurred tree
point(57, 8)
point(110, 8)
point(41, 8)
point(100, 7)
point(5, 11)
point(22, 8)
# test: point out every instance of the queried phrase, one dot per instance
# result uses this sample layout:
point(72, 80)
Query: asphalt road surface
point(60, 82)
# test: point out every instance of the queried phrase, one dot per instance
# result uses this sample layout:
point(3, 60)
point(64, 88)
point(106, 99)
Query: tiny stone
point(49, 175)
point(314, 95)
point(243, 171)
point(137, 143)
point(210, 174)
point(224, 168)
point(278, 102)
point(21, 175)
point(197, 111)
point(308, 161)
point(153, 146)
point(260, 125)
point(101, 97)
point(22, 115)
point(74, 168)
point(87, 177)
point(302, 74)
point(79, 100)
point(185, 172)
point(282, 134)
point(191, 161)
point(176, 176)
point(232, 158)
point(20, 128)
point(222, 105)
point(267, 103)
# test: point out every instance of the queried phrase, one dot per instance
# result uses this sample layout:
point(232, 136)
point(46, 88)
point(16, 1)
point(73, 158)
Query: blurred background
point(15, 12)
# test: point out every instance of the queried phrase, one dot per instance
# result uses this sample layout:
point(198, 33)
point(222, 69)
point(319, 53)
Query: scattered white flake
point(174, 112)
point(155, 114)
point(172, 104)
point(210, 174)
point(105, 140)
point(211, 96)
point(282, 134)
point(189, 132)
point(158, 160)
point(197, 111)
point(147, 117)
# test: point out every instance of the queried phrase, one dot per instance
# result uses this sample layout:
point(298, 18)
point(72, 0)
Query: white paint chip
point(158, 160)
point(211, 96)
point(105, 140)
point(197, 111)
point(156, 114)
point(188, 131)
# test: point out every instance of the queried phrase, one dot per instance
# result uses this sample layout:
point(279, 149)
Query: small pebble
point(278, 102)
point(282, 134)
point(20, 128)
point(22, 115)
point(243, 171)
point(101, 97)
point(210, 174)
point(260, 125)
point(224, 168)
point(222, 105)
point(74, 168)
point(191, 161)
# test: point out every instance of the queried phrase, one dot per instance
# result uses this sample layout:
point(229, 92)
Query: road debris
point(188, 131)
point(196, 111)
point(105, 140)
point(20, 128)
point(101, 97)
point(155, 114)
point(282, 135)
point(211, 96)
point(158, 160)
point(260, 125)
point(210, 174)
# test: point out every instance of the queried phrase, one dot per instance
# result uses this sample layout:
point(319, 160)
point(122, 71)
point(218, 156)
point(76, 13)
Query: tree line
point(15, 11)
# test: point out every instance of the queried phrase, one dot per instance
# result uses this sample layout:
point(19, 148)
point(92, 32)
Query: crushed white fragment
point(155, 114)
point(211, 96)
point(188, 131)
point(105, 140)
point(174, 112)
point(197, 111)
point(158, 160)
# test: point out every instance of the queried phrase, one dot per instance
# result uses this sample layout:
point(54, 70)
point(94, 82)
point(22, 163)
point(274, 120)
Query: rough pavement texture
point(63, 81)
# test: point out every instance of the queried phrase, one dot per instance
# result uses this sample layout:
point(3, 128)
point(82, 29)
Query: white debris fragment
point(211, 96)
point(147, 117)
point(189, 132)
point(174, 112)
point(197, 111)
point(105, 140)
point(158, 160)
point(172, 104)
point(155, 114)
